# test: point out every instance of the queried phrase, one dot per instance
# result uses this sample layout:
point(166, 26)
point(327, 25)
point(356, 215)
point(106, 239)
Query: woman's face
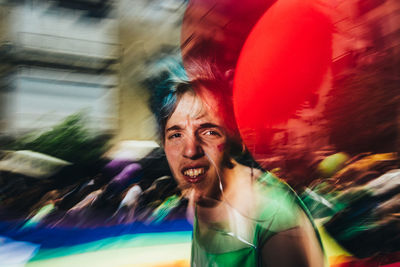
point(195, 140)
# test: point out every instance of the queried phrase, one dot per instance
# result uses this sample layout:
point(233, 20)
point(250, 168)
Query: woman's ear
point(229, 74)
point(233, 149)
point(227, 160)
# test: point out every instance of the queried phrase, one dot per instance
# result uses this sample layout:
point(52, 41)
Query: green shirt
point(239, 240)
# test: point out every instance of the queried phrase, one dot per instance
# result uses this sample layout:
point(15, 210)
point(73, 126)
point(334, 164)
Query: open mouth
point(194, 174)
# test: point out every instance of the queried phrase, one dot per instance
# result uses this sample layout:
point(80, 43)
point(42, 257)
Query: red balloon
point(281, 64)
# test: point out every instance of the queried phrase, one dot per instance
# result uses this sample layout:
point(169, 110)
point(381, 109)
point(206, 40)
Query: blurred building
point(147, 30)
point(57, 58)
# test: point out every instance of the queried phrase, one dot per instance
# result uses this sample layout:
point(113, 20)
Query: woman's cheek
point(221, 147)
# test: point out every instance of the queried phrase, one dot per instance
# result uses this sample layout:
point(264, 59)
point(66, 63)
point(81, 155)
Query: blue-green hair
point(168, 82)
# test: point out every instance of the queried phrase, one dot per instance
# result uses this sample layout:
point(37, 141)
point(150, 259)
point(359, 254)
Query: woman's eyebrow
point(173, 128)
point(209, 125)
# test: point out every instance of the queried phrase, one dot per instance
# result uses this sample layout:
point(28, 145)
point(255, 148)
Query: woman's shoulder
point(263, 193)
point(278, 208)
point(269, 188)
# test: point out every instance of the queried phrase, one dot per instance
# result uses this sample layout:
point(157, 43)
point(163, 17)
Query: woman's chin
point(199, 197)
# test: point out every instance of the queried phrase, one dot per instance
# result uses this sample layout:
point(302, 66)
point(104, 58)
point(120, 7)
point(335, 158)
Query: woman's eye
point(175, 135)
point(211, 132)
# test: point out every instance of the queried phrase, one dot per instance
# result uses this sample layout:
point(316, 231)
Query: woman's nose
point(193, 148)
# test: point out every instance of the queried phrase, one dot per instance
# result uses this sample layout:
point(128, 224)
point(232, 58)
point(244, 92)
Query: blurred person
point(242, 216)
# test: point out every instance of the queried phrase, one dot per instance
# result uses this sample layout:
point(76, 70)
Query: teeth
point(193, 173)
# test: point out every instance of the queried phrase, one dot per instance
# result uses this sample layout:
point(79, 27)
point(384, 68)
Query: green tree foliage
point(70, 140)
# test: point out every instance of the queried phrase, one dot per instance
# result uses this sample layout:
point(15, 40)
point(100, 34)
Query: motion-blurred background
point(82, 175)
